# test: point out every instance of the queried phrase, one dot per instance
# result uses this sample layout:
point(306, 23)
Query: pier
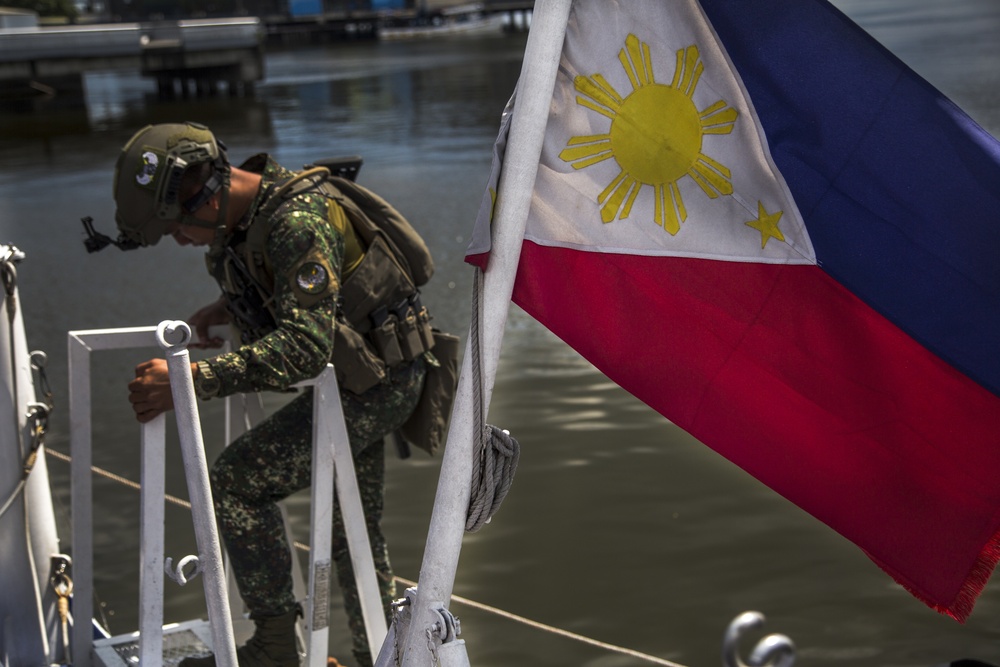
point(194, 57)
point(187, 58)
point(339, 23)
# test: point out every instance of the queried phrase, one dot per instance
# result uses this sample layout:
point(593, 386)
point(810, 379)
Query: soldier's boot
point(273, 644)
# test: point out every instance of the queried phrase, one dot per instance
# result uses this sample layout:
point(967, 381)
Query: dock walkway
point(197, 56)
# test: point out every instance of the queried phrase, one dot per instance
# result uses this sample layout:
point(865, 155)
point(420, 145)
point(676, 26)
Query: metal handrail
point(331, 464)
point(200, 493)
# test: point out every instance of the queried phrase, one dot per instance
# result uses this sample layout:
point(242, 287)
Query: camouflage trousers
point(273, 460)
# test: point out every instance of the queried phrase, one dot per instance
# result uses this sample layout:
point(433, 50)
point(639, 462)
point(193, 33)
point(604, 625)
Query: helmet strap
point(200, 198)
point(222, 231)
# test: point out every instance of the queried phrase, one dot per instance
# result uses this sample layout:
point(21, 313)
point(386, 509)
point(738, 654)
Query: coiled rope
point(496, 453)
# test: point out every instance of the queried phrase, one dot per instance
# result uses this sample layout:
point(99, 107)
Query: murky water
point(619, 526)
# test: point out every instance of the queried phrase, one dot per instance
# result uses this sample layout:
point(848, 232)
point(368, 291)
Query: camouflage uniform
point(273, 460)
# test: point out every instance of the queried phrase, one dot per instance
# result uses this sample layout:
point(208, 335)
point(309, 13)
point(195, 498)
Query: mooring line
point(180, 502)
point(554, 630)
point(118, 478)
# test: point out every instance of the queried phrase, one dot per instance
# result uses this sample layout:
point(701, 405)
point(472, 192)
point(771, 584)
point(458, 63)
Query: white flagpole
point(517, 179)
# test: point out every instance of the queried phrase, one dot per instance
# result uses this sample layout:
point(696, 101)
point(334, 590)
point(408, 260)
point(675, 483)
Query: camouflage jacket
point(306, 254)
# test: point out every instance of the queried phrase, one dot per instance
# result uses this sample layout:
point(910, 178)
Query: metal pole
point(348, 493)
point(151, 502)
point(81, 495)
point(196, 472)
point(317, 613)
point(517, 179)
point(80, 345)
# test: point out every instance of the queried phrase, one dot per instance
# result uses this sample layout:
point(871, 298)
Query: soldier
point(286, 258)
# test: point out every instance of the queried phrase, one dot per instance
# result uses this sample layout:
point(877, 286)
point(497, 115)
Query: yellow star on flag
point(767, 224)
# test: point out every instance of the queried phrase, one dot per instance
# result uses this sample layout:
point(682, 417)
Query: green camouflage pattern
point(302, 344)
point(273, 460)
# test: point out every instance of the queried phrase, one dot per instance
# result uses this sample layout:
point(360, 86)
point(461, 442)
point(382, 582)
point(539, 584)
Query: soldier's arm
point(306, 256)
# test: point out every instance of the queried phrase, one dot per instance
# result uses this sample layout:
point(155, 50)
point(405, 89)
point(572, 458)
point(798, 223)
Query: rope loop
point(493, 476)
point(495, 455)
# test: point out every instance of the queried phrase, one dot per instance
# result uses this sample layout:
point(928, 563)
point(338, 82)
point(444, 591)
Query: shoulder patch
point(312, 278)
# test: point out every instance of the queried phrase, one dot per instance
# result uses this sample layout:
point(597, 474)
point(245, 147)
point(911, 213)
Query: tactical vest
point(380, 321)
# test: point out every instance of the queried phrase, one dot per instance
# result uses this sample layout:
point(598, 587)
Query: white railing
point(332, 464)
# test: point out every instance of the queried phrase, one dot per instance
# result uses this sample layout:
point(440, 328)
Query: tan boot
point(273, 644)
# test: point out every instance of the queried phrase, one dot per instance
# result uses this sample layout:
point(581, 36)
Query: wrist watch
point(207, 385)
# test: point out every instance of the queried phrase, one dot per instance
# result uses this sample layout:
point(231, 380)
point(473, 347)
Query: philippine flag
point(760, 222)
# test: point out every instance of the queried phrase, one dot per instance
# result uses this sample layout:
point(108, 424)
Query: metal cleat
point(771, 651)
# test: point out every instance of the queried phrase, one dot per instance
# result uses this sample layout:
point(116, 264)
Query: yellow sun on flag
point(655, 137)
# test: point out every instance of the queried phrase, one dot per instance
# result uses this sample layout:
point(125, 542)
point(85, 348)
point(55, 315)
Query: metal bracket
point(446, 626)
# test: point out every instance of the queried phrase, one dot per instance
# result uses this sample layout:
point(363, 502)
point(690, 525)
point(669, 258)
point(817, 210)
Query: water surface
point(619, 525)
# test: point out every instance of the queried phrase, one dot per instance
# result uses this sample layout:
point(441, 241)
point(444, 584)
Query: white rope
point(554, 630)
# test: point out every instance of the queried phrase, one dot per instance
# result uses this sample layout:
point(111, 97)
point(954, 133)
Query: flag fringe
point(979, 574)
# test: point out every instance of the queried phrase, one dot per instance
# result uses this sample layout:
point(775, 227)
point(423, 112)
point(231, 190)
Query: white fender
point(28, 619)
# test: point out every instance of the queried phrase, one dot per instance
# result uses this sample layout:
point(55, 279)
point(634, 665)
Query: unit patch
point(312, 278)
point(147, 170)
point(313, 281)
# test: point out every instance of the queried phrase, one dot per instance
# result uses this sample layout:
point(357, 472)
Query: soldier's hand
point(149, 392)
point(211, 315)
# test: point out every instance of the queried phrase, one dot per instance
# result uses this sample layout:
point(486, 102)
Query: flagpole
point(517, 178)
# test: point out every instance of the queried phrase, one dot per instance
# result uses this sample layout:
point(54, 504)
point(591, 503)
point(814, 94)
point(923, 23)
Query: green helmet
point(148, 178)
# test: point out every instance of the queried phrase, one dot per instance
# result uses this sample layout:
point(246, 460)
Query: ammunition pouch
point(355, 364)
point(402, 332)
point(428, 424)
point(395, 336)
point(385, 335)
point(382, 306)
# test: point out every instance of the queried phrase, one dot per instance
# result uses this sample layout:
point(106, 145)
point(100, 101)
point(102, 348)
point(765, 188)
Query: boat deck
point(180, 640)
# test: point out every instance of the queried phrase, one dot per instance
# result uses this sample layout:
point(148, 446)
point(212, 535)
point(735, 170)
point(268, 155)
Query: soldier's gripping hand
point(213, 314)
point(149, 392)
